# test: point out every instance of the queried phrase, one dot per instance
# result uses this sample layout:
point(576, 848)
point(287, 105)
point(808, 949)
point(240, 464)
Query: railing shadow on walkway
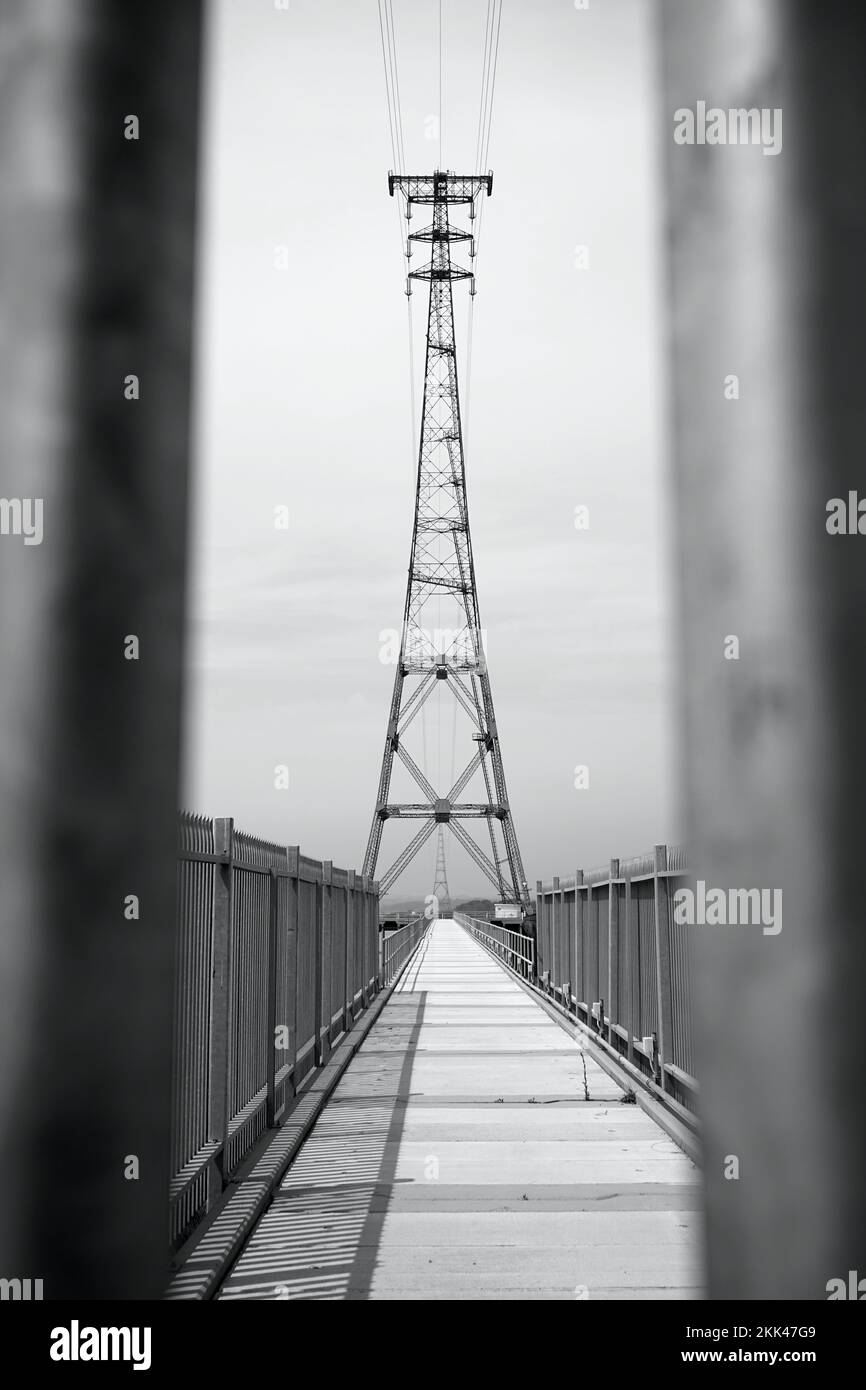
point(319, 1239)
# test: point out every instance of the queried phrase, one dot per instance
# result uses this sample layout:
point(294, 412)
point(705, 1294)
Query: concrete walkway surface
point(459, 1158)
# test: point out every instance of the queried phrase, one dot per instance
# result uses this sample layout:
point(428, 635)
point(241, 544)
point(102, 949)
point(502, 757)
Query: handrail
point(397, 946)
point(277, 956)
point(612, 955)
point(516, 949)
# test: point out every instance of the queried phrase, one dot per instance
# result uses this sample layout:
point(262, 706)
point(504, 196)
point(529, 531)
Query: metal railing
point(276, 956)
point(397, 946)
point(514, 947)
point(610, 951)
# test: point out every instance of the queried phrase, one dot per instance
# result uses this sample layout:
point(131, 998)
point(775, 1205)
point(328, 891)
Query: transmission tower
point(440, 883)
point(442, 572)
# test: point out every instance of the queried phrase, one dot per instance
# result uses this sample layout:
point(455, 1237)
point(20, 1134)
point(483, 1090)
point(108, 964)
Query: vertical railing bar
point(631, 964)
point(348, 974)
point(325, 963)
point(271, 1026)
point(293, 887)
point(663, 960)
point(612, 937)
point(221, 937)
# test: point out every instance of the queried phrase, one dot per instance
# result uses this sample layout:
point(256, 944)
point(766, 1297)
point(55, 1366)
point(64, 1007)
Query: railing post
point(774, 748)
point(590, 986)
point(273, 918)
point(554, 935)
point(539, 928)
point(293, 889)
point(579, 972)
point(613, 945)
point(663, 958)
point(325, 932)
point(374, 935)
point(632, 977)
point(98, 262)
point(317, 972)
point(364, 909)
point(360, 928)
point(220, 1001)
point(567, 950)
point(349, 1011)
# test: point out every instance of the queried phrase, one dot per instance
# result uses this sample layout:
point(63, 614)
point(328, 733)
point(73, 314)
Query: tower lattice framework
point(442, 573)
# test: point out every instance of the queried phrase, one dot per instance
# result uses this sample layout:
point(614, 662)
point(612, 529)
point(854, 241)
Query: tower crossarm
point(441, 272)
point(435, 234)
point(440, 187)
point(444, 810)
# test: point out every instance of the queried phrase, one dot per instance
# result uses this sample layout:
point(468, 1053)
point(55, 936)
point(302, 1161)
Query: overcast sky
point(303, 402)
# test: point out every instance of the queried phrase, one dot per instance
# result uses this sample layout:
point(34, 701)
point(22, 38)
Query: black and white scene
point(431, 620)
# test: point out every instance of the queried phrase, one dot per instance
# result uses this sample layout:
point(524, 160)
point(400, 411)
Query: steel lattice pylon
point(442, 570)
point(440, 882)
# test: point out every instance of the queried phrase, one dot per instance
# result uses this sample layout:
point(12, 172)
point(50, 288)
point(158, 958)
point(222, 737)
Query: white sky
point(303, 401)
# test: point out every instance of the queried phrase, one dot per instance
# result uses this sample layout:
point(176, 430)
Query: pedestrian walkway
point(471, 1151)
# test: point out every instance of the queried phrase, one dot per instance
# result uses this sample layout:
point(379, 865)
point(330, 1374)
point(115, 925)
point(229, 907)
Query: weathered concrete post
point(768, 308)
point(98, 158)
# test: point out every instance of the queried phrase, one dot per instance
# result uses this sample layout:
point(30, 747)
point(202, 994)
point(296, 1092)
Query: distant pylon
point(442, 576)
point(440, 885)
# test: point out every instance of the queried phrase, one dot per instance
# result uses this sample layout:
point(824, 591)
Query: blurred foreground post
point(98, 145)
point(768, 287)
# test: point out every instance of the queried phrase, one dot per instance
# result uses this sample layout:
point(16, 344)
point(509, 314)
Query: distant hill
point(472, 907)
point(475, 907)
point(414, 905)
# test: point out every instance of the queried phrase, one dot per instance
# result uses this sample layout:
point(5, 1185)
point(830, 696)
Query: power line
point(485, 73)
point(489, 118)
point(492, 86)
point(389, 22)
point(492, 28)
point(391, 69)
point(391, 124)
point(442, 90)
